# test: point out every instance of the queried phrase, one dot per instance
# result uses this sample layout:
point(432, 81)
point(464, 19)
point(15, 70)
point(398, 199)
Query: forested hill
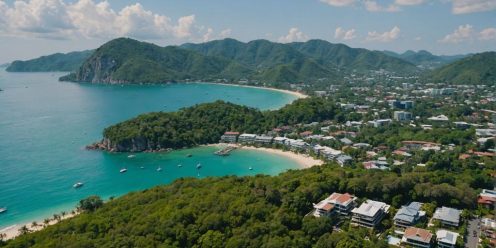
point(257, 211)
point(476, 69)
point(205, 123)
point(425, 58)
point(55, 62)
point(125, 60)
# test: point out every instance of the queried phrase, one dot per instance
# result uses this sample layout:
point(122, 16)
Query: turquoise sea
point(45, 124)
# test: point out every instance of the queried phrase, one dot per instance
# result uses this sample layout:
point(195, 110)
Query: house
point(439, 118)
point(417, 145)
point(408, 215)
point(446, 239)
point(296, 144)
point(488, 230)
point(369, 214)
point(487, 198)
point(417, 237)
point(400, 104)
point(361, 145)
point(344, 160)
point(247, 138)
point(263, 139)
point(485, 132)
point(280, 140)
point(461, 124)
point(380, 122)
point(229, 137)
point(335, 203)
point(346, 141)
point(402, 116)
point(330, 153)
point(447, 216)
point(376, 164)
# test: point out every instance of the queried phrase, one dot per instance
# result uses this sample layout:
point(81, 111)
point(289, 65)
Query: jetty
point(225, 151)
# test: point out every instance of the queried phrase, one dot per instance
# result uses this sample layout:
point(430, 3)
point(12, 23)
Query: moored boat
point(3, 210)
point(123, 170)
point(78, 185)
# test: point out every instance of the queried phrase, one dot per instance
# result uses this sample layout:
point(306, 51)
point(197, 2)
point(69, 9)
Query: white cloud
point(388, 36)
point(462, 33)
point(339, 3)
point(408, 2)
point(225, 33)
point(373, 6)
point(342, 34)
point(86, 18)
point(293, 35)
point(418, 38)
point(471, 6)
point(487, 34)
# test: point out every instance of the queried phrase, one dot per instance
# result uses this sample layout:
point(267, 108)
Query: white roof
point(248, 135)
point(446, 236)
point(370, 208)
point(439, 118)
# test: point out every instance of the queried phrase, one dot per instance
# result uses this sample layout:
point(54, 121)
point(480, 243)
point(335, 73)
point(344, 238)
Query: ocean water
point(45, 125)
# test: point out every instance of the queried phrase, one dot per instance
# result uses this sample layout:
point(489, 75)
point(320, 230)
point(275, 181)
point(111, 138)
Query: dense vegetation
point(260, 211)
point(476, 69)
point(55, 62)
point(130, 61)
point(205, 123)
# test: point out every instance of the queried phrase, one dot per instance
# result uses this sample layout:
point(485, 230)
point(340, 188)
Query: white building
point(247, 138)
point(447, 216)
point(335, 203)
point(446, 239)
point(369, 214)
point(402, 116)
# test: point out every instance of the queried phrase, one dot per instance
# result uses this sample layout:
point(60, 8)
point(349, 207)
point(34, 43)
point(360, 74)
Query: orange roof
point(231, 133)
point(486, 200)
point(327, 207)
point(485, 154)
point(340, 198)
point(418, 234)
point(464, 156)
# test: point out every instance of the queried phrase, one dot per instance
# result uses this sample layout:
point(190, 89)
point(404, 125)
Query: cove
point(45, 125)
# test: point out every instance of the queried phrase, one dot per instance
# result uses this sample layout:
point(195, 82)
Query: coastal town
point(421, 128)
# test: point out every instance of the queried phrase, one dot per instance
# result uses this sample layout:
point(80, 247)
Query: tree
point(91, 203)
point(211, 239)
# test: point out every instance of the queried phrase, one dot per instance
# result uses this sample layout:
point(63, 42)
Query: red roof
point(486, 200)
point(464, 156)
point(327, 207)
point(418, 234)
point(231, 133)
point(341, 198)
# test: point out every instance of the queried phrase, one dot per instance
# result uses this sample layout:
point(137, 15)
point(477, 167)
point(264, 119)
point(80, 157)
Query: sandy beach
point(13, 231)
point(294, 93)
point(304, 160)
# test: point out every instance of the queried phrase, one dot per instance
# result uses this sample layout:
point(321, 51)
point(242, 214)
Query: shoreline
point(298, 95)
point(12, 231)
point(304, 160)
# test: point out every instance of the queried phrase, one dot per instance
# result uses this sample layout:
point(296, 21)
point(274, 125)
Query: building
point(439, 118)
point(247, 138)
point(408, 215)
point(446, 239)
point(402, 116)
point(380, 123)
point(447, 216)
point(346, 141)
point(229, 137)
point(376, 164)
point(344, 160)
point(487, 198)
point(401, 104)
point(417, 237)
point(263, 139)
point(369, 214)
point(280, 140)
point(335, 203)
point(417, 145)
point(488, 230)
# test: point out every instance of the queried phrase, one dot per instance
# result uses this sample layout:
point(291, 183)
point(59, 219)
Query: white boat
point(159, 169)
point(142, 167)
point(179, 165)
point(198, 166)
point(3, 210)
point(131, 156)
point(250, 168)
point(123, 170)
point(78, 185)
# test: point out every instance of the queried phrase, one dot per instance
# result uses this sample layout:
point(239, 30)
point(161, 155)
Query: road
point(472, 241)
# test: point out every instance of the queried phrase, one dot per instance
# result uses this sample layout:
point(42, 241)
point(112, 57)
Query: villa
point(247, 138)
point(447, 216)
point(408, 215)
point(335, 203)
point(369, 214)
point(263, 139)
point(417, 237)
point(487, 198)
point(446, 239)
point(229, 137)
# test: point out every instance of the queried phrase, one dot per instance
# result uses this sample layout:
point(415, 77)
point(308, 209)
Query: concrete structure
point(408, 215)
point(416, 237)
point(401, 104)
point(262, 139)
point(344, 160)
point(487, 198)
point(229, 137)
point(446, 239)
point(402, 116)
point(247, 138)
point(369, 214)
point(335, 203)
point(447, 216)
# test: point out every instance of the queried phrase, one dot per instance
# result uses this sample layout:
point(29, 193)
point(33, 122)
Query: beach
point(304, 160)
point(289, 92)
point(13, 231)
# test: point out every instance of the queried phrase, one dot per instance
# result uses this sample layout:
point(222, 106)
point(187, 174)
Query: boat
point(3, 210)
point(189, 155)
point(142, 167)
point(123, 170)
point(198, 166)
point(159, 169)
point(179, 165)
point(131, 156)
point(250, 168)
point(78, 185)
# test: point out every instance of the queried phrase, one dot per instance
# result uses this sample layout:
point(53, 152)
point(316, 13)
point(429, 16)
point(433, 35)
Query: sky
point(31, 28)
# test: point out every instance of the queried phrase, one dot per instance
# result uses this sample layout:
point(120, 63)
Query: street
point(473, 227)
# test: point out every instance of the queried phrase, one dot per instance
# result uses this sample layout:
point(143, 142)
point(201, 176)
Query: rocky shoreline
point(106, 145)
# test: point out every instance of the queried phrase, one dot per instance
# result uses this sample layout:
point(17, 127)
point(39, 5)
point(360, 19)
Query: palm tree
point(23, 230)
point(46, 222)
point(34, 224)
point(3, 236)
point(63, 213)
point(56, 217)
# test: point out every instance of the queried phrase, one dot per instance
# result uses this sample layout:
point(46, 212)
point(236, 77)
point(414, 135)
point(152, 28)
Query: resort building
point(446, 239)
point(487, 198)
point(335, 203)
point(402, 116)
point(401, 104)
point(247, 138)
point(369, 214)
point(438, 118)
point(408, 215)
point(229, 137)
point(417, 237)
point(344, 160)
point(280, 140)
point(447, 216)
point(263, 139)
point(376, 165)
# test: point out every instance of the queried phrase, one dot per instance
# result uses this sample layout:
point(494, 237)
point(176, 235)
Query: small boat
point(198, 166)
point(123, 170)
point(179, 165)
point(78, 185)
point(159, 169)
point(250, 168)
point(3, 210)
point(189, 155)
point(142, 167)
point(131, 156)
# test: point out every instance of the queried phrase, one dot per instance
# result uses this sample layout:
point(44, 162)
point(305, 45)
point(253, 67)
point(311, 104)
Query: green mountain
point(425, 59)
point(55, 62)
point(476, 69)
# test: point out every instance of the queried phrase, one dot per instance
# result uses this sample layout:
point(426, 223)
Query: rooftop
point(447, 214)
point(418, 234)
point(408, 213)
point(446, 236)
point(370, 208)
